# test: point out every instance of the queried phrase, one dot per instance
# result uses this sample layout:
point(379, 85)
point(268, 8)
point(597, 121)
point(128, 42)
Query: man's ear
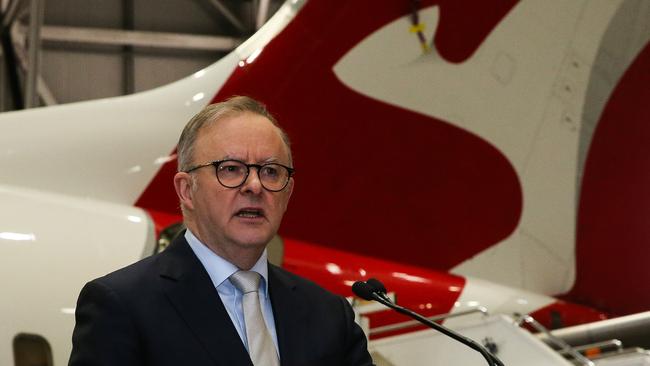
point(290, 187)
point(289, 190)
point(183, 186)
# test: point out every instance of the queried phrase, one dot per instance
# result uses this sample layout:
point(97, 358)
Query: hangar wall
point(77, 71)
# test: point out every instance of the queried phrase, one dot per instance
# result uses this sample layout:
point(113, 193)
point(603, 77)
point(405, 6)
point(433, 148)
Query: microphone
point(378, 288)
point(363, 290)
point(373, 289)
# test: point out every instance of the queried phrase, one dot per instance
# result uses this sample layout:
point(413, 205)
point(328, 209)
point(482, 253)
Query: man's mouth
point(250, 213)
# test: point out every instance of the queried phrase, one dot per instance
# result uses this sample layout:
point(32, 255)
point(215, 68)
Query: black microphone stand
point(373, 291)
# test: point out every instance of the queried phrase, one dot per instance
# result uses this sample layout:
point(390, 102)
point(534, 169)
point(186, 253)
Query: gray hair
point(214, 112)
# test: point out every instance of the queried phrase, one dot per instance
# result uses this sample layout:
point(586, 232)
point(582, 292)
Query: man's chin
point(253, 241)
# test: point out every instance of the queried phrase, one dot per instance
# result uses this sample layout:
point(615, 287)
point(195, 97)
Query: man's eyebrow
point(270, 159)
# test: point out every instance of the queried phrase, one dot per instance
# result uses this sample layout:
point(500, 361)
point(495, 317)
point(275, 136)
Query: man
point(212, 298)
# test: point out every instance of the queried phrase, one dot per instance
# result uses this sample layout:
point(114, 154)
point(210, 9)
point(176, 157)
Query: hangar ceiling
point(103, 48)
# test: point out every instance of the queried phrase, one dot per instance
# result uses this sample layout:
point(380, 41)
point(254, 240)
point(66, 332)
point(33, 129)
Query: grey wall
point(81, 72)
point(76, 72)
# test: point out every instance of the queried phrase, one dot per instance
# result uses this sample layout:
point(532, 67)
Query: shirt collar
point(219, 269)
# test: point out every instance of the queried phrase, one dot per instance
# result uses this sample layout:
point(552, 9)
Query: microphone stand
point(370, 292)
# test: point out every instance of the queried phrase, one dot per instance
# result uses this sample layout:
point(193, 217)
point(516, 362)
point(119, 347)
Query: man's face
point(222, 216)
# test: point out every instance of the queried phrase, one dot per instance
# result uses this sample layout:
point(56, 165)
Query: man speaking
point(212, 298)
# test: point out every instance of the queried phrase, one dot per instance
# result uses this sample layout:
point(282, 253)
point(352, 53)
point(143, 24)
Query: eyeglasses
point(233, 173)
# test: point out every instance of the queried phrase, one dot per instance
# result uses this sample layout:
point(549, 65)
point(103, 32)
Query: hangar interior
point(63, 51)
point(500, 139)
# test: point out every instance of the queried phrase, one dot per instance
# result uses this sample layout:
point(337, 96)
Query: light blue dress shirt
point(219, 271)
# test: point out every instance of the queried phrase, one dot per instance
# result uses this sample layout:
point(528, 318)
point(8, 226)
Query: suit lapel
point(289, 313)
point(191, 292)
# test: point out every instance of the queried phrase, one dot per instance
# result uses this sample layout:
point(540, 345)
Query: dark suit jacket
point(164, 310)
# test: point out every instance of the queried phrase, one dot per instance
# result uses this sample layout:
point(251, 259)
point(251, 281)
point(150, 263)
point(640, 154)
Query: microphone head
point(377, 285)
point(363, 290)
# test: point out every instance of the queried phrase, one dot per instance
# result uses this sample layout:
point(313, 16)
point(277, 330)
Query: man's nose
point(252, 183)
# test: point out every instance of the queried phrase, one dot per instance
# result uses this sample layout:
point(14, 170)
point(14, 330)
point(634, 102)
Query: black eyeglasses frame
point(216, 164)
